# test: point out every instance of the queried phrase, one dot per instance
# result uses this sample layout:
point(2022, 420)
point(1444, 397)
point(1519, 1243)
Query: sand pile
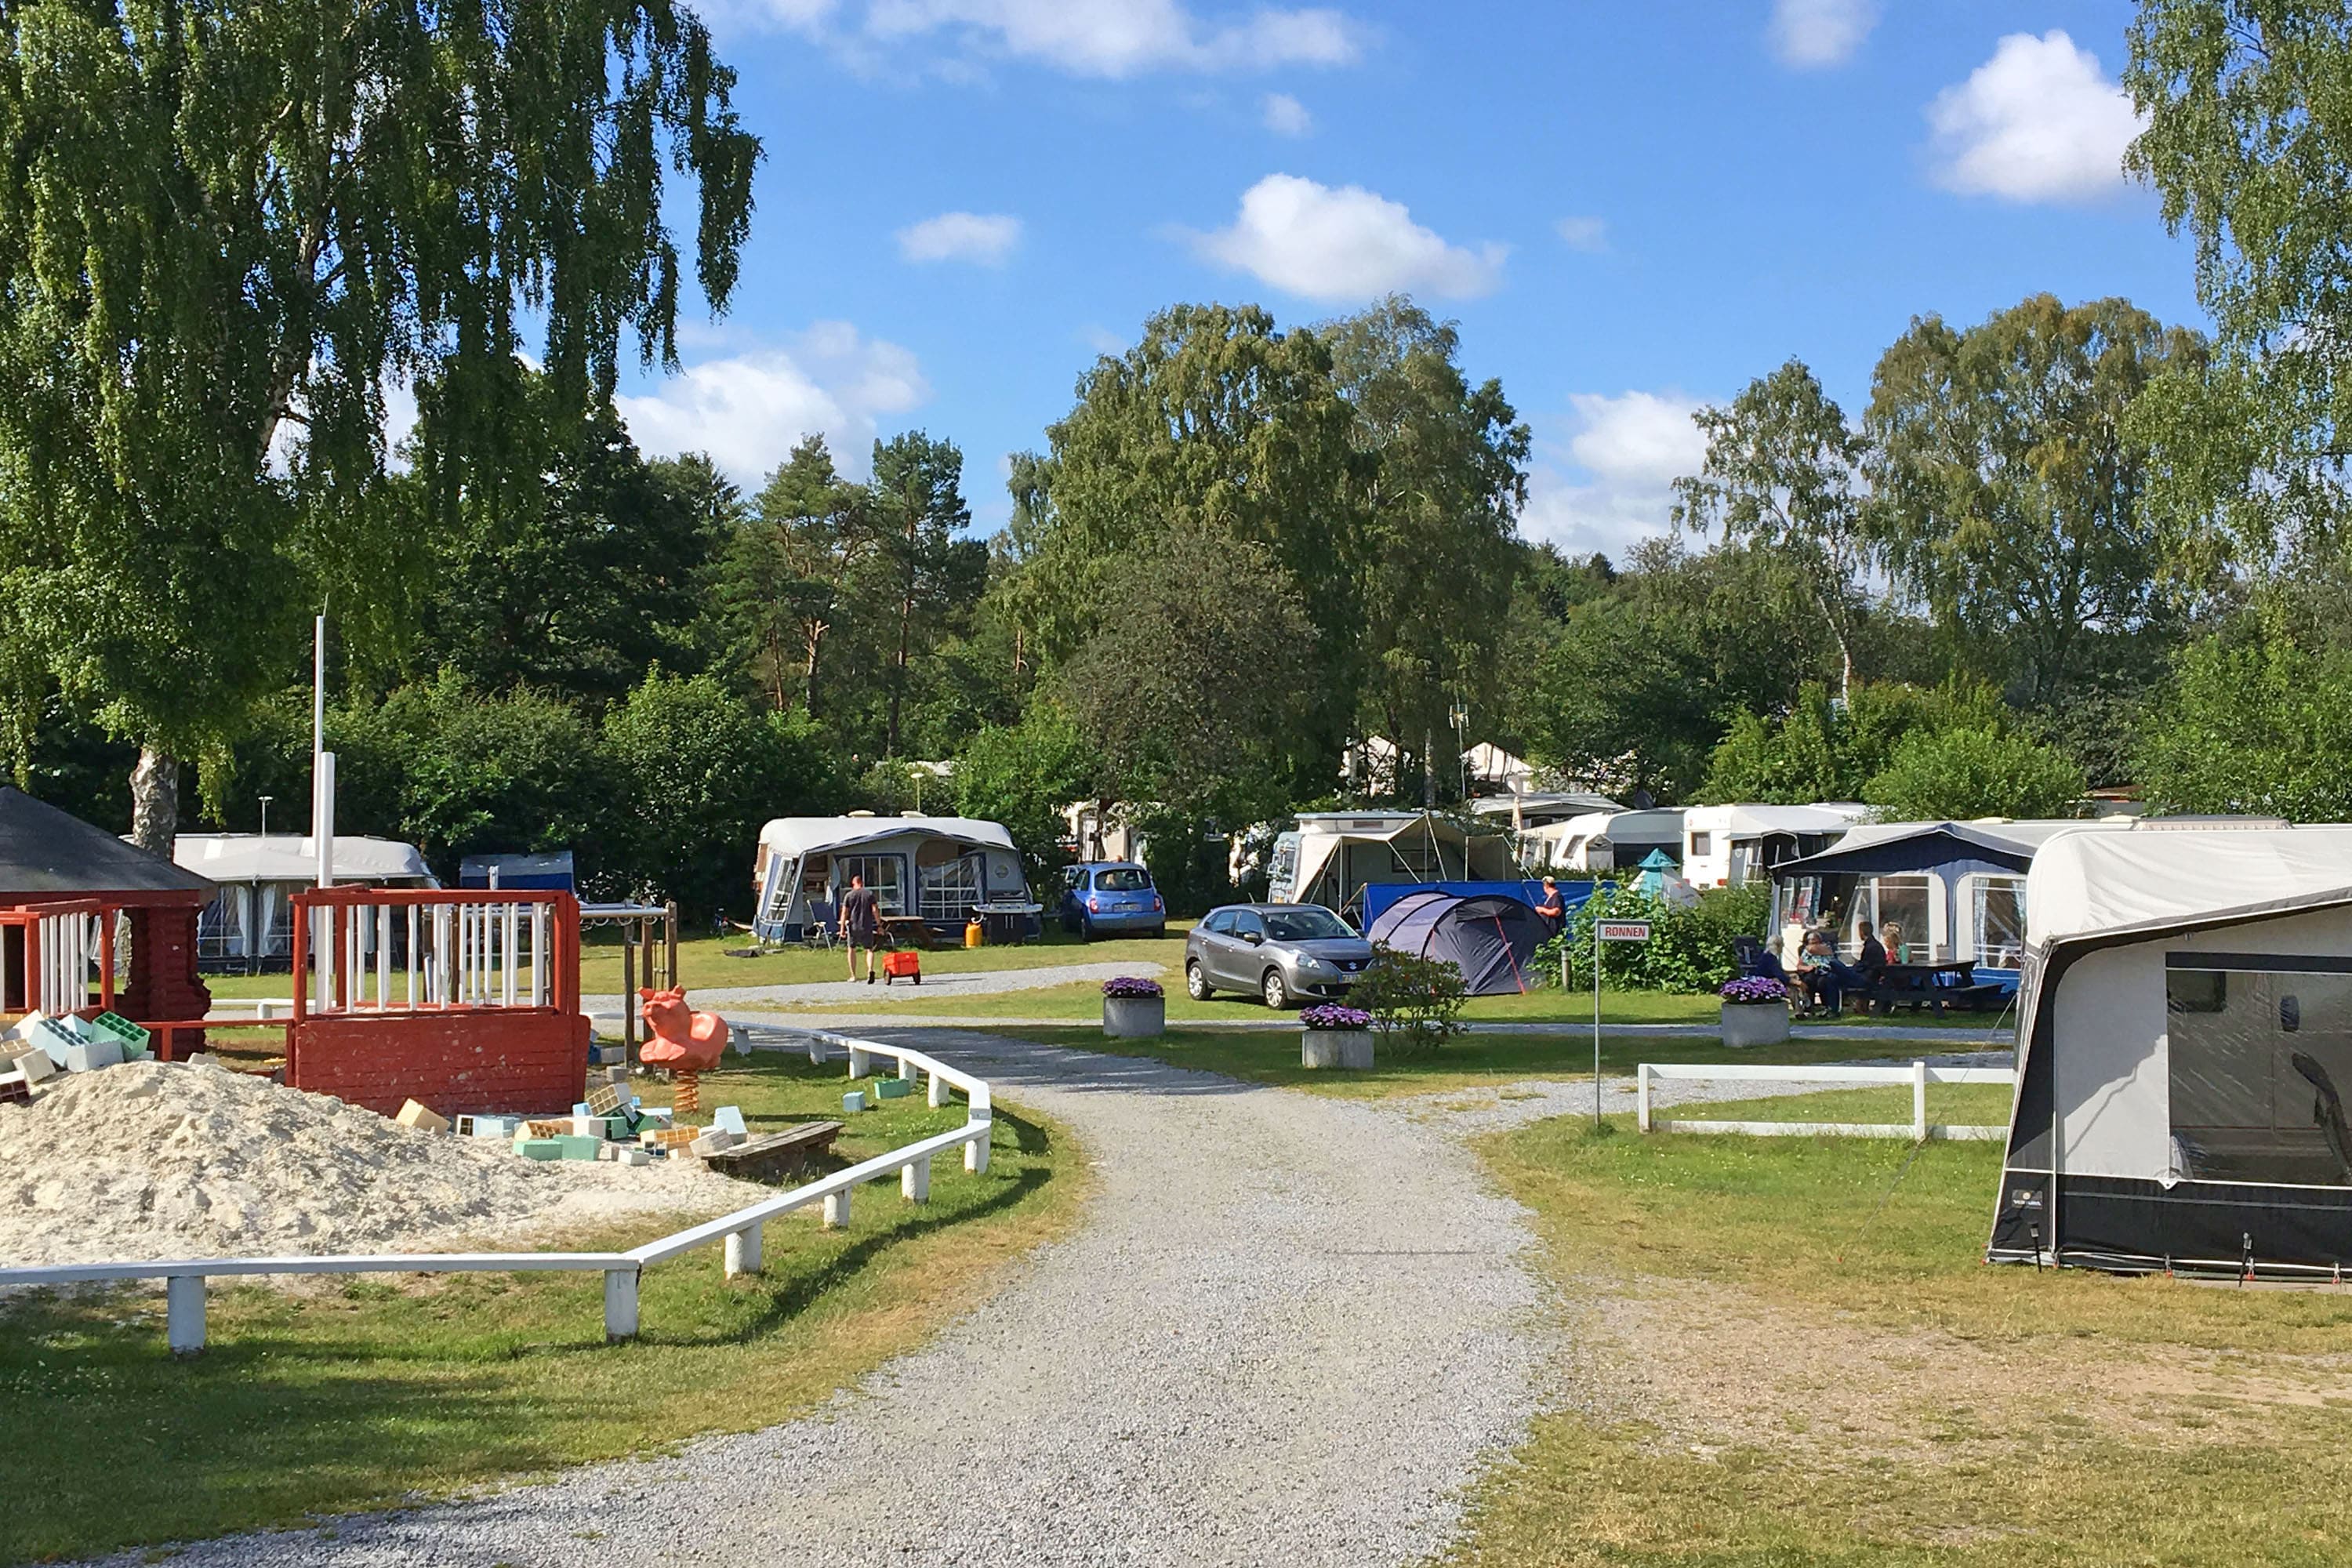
point(155, 1161)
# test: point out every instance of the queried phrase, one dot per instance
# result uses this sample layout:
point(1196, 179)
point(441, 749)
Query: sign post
point(1607, 931)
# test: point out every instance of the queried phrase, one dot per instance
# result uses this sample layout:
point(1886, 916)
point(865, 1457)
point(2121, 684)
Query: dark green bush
point(1690, 946)
point(1415, 1003)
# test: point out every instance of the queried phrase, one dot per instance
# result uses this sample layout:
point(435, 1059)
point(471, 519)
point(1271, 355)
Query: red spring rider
point(688, 1043)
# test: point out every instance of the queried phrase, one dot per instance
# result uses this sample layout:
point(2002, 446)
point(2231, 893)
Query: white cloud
point(1589, 234)
point(1610, 481)
point(1285, 116)
point(985, 237)
point(1344, 244)
point(2038, 121)
point(1086, 37)
point(1811, 34)
point(747, 411)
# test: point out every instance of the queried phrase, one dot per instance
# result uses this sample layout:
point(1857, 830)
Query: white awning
point(293, 858)
point(2086, 882)
point(800, 835)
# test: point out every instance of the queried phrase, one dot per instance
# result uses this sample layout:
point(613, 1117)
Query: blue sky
point(1631, 207)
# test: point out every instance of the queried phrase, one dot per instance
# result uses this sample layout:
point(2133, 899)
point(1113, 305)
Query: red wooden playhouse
point(467, 1000)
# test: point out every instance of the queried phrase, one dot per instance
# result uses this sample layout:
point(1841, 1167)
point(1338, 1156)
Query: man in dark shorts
point(861, 925)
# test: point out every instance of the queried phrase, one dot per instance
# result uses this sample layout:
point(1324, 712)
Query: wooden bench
point(774, 1156)
point(1920, 987)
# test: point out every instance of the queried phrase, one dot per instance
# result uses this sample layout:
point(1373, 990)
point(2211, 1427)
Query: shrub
point(1415, 1003)
point(1690, 948)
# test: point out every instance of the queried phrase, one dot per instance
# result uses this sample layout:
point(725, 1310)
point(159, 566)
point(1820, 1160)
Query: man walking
point(861, 925)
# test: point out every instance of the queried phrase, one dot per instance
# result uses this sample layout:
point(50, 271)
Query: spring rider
point(688, 1043)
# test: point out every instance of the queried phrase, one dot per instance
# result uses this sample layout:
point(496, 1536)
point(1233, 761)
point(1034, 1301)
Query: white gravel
point(1288, 1331)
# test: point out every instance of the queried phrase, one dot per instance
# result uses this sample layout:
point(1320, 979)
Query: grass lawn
point(389, 1388)
point(1466, 1061)
point(1788, 1351)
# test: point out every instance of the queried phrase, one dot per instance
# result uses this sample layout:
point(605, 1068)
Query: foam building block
point(579, 1148)
point(853, 1100)
point(54, 1039)
point(22, 1030)
point(635, 1157)
point(422, 1117)
point(893, 1087)
point(729, 1118)
point(538, 1148)
point(714, 1141)
point(14, 1089)
point(89, 1055)
point(36, 1065)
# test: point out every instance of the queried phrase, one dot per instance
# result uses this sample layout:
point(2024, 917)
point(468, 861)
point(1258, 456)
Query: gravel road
point(1287, 1330)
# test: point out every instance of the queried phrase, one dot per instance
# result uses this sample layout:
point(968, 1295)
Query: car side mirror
point(1254, 938)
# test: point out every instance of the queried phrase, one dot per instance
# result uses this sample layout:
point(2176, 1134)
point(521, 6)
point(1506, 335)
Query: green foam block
point(574, 1147)
point(893, 1087)
point(544, 1147)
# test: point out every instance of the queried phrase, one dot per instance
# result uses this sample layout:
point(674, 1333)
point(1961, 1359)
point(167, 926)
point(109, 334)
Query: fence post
point(1918, 1102)
point(743, 1250)
point(975, 1153)
point(939, 1091)
point(907, 1070)
point(837, 1210)
point(620, 1304)
point(184, 1312)
point(1642, 1095)
point(915, 1180)
point(816, 1050)
point(857, 1063)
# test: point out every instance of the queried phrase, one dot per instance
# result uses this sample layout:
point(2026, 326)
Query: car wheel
point(1196, 985)
point(1278, 995)
point(1086, 929)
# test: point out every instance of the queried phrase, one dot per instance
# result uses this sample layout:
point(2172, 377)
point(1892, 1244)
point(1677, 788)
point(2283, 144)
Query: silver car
point(1285, 953)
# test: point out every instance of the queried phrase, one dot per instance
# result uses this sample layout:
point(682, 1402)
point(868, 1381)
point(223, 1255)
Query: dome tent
point(1490, 938)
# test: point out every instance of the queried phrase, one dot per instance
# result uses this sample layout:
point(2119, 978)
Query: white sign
point(1624, 930)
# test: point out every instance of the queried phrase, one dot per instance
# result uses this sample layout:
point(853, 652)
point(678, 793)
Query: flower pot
point(1349, 1048)
point(1135, 1017)
point(1748, 1023)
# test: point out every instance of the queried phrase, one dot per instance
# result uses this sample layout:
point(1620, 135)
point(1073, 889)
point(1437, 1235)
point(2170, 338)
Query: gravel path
point(1288, 1331)
point(938, 987)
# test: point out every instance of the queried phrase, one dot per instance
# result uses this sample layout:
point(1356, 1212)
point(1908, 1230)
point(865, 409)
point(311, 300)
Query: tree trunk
point(155, 801)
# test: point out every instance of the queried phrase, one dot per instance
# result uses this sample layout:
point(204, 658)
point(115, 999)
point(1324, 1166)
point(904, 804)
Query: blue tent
point(1491, 938)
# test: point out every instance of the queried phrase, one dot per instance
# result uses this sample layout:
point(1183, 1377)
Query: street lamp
point(264, 815)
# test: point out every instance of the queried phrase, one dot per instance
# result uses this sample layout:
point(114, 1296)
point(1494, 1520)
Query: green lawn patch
point(387, 1389)
point(1830, 1374)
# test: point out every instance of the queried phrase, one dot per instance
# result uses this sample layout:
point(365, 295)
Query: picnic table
point(1934, 986)
point(906, 930)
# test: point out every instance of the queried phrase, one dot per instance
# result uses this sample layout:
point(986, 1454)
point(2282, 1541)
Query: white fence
point(1918, 1075)
point(741, 1231)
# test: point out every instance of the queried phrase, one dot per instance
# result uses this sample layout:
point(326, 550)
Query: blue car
point(1101, 896)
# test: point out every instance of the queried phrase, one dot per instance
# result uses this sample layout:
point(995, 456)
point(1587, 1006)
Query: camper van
point(1729, 846)
point(940, 869)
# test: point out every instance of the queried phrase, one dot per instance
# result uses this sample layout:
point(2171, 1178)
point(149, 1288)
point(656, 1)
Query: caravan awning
point(293, 858)
point(1897, 847)
point(795, 837)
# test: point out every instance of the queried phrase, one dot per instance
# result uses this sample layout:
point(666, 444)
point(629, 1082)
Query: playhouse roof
point(46, 853)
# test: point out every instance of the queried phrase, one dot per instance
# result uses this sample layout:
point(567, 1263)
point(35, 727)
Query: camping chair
point(1749, 952)
point(818, 932)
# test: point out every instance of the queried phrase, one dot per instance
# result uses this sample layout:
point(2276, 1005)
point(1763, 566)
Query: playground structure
point(69, 895)
point(688, 1043)
point(648, 933)
point(460, 998)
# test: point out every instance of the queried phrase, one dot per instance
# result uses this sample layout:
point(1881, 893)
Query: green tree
point(2256, 719)
point(1823, 748)
point(1188, 694)
point(223, 231)
point(1023, 776)
point(577, 584)
point(1440, 484)
point(2006, 496)
point(699, 772)
point(1214, 421)
point(783, 571)
point(1784, 471)
point(2248, 144)
point(932, 577)
point(1971, 771)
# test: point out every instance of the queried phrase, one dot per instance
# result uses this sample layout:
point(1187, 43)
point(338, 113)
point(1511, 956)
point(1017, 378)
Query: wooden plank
point(773, 1156)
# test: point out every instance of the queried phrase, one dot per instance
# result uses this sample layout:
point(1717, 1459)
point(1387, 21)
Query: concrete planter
point(1349, 1048)
point(1135, 1017)
point(1747, 1023)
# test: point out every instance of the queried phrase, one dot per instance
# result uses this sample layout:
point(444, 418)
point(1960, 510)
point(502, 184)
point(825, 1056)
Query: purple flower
point(1331, 1015)
point(1753, 989)
point(1131, 988)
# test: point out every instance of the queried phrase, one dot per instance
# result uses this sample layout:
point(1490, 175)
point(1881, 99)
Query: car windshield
point(1303, 925)
point(1123, 879)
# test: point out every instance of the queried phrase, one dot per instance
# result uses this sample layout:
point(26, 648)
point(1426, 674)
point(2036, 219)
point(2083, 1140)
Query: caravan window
point(950, 889)
point(1701, 844)
point(1908, 901)
point(2260, 1066)
point(1997, 905)
point(882, 874)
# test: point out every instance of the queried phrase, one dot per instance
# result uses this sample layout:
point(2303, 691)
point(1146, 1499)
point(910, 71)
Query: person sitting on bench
point(1871, 962)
